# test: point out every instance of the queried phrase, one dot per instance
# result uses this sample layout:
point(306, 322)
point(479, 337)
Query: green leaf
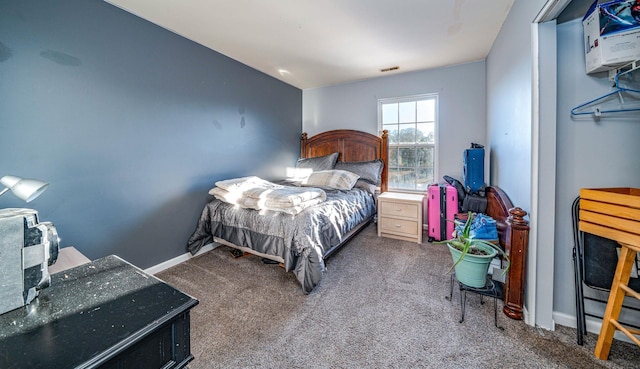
point(463, 242)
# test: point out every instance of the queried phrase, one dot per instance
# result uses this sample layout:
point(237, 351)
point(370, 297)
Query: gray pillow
point(370, 171)
point(370, 188)
point(319, 162)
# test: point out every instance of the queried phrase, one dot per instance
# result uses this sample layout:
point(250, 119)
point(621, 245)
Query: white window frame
point(431, 96)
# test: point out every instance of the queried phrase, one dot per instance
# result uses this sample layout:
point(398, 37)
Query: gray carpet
point(381, 304)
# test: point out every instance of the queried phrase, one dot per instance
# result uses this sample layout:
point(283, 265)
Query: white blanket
point(256, 193)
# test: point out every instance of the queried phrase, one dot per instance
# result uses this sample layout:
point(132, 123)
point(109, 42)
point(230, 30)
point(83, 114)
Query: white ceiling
point(314, 43)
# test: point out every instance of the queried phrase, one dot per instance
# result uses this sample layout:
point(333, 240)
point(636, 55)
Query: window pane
point(426, 110)
point(426, 133)
point(407, 134)
point(424, 177)
point(395, 177)
point(393, 132)
point(406, 178)
point(393, 158)
point(389, 113)
point(411, 125)
point(407, 157)
point(407, 112)
point(424, 156)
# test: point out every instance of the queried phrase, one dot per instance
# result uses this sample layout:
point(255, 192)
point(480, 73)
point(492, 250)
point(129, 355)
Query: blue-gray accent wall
point(130, 124)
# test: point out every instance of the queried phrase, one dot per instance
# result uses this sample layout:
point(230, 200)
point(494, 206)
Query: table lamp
point(25, 189)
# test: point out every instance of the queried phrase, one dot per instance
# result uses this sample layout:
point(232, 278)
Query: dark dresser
point(105, 314)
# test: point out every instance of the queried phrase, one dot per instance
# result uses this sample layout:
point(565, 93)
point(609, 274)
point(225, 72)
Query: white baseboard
point(528, 319)
point(593, 325)
point(179, 259)
point(566, 320)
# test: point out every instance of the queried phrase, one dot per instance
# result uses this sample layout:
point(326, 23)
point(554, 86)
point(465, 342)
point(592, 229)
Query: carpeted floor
point(381, 304)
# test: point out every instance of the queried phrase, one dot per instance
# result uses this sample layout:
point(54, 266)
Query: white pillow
point(336, 179)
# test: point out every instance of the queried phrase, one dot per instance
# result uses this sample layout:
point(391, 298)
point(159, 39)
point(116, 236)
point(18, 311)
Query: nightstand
point(105, 314)
point(400, 216)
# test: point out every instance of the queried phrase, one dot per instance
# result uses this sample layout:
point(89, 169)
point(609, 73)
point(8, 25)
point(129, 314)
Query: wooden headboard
point(352, 146)
point(513, 234)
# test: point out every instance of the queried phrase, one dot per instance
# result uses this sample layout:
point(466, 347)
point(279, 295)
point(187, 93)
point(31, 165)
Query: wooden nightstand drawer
point(399, 209)
point(399, 226)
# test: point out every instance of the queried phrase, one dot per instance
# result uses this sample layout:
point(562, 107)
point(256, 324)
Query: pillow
point(326, 162)
point(370, 171)
point(370, 188)
point(296, 176)
point(335, 179)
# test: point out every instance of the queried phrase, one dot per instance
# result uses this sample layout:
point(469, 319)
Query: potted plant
point(472, 256)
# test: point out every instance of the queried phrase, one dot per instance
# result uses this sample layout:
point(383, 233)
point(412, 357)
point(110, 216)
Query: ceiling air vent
point(389, 69)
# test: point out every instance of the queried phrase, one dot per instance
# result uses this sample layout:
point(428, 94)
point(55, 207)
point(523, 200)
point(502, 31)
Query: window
point(411, 122)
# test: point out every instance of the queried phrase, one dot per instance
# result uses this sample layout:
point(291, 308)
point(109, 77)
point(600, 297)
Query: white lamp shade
point(25, 189)
point(9, 181)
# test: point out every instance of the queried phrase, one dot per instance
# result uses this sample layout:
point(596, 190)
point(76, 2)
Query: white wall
point(509, 94)
point(462, 114)
point(510, 132)
point(543, 170)
point(591, 153)
point(587, 152)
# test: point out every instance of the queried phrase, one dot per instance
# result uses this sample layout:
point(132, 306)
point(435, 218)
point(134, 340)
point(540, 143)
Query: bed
point(513, 235)
point(302, 242)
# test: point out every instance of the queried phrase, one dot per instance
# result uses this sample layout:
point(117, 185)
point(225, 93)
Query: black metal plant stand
point(491, 289)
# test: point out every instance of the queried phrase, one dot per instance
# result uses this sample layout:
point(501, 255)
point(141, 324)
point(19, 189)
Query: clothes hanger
point(595, 107)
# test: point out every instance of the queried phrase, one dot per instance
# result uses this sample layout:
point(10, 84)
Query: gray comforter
point(300, 240)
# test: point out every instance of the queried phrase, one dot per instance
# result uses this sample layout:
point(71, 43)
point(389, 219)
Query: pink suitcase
point(442, 206)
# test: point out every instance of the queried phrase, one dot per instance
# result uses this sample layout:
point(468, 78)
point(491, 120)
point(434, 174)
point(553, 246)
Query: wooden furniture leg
point(518, 241)
point(619, 290)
